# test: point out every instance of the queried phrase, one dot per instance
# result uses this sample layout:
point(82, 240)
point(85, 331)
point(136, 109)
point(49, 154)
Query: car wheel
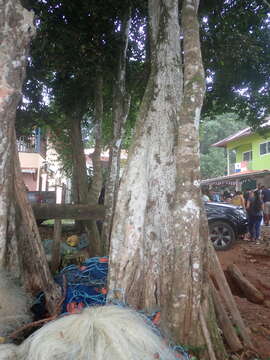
point(221, 234)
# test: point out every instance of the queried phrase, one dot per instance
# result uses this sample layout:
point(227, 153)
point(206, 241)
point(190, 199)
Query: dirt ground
point(253, 260)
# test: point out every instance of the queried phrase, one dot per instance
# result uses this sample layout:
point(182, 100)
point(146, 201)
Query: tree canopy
point(75, 40)
point(235, 44)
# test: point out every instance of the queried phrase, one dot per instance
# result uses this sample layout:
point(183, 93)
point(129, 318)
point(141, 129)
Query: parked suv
point(226, 223)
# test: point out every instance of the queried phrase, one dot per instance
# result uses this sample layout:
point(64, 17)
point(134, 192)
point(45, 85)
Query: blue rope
point(179, 349)
point(84, 286)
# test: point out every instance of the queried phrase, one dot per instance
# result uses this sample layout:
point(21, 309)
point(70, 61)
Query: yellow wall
point(252, 142)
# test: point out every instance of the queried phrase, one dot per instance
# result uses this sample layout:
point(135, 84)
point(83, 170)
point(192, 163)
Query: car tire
point(221, 234)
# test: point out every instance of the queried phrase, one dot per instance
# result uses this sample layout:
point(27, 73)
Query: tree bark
point(81, 186)
point(140, 231)
point(159, 242)
point(121, 104)
point(21, 251)
point(56, 248)
point(80, 181)
point(35, 271)
point(16, 30)
point(97, 180)
point(192, 244)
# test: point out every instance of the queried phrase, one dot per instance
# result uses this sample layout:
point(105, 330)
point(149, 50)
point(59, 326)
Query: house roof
point(235, 176)
point(239, 134)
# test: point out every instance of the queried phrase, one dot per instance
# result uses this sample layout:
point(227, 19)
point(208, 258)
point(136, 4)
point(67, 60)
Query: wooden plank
point(225, 291)
point(206, 335)
point(224, 321)
point(70, 211)
point(56, 247)
point(249, 290)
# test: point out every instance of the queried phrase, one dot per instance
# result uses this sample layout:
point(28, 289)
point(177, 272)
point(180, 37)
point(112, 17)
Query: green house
point(247, 151)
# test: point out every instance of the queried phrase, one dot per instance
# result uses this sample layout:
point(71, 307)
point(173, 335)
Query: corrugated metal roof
point(239, 134)
point(244, 132)
point(234, 176)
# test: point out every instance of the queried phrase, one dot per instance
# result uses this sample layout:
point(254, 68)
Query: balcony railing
point(32, 144)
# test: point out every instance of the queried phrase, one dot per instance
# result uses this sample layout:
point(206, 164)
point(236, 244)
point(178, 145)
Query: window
point(265, 148)
point(247, 156)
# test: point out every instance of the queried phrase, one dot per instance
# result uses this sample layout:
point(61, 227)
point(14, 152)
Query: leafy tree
point(68, 73)
point(213, 163)
point(235, 44)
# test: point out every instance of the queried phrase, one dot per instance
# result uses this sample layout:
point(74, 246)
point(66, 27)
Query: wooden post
point(207, 336)
point(68, 211)
point(228, 160)
point(56, 256)
point(225, 292)
point(248, 289)
point(224, 321)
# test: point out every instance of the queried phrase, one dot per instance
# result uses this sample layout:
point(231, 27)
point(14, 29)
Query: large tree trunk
point(35, 271)
point(81, 186)
point(14, 40)
point(190, 293)
point(80, 181)
point(121, 104)
point(21, 251)
point(97, 180)
point(143, 226)
point(159, 245)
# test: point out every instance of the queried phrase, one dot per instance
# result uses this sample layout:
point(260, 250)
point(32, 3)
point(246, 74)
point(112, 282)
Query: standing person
point(255, 214)
point(227, 197)
point(225, 194)
point(246, 196)
point(238, 199)
point(214, 196)
point(266, 201)
point(205, 196)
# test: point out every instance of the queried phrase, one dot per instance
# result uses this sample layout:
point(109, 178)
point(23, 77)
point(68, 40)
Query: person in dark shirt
point(255, 213)
point(266, 201)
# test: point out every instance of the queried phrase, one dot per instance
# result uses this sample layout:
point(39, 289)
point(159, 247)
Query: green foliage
point(219, 127)
point(213, 160)
point(73, 43)
point(76, 40)
point(213, 164)
point(235, 45)
point(60, 138)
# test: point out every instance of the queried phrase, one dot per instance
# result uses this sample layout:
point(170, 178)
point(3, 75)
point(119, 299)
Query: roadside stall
point(243, 181)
